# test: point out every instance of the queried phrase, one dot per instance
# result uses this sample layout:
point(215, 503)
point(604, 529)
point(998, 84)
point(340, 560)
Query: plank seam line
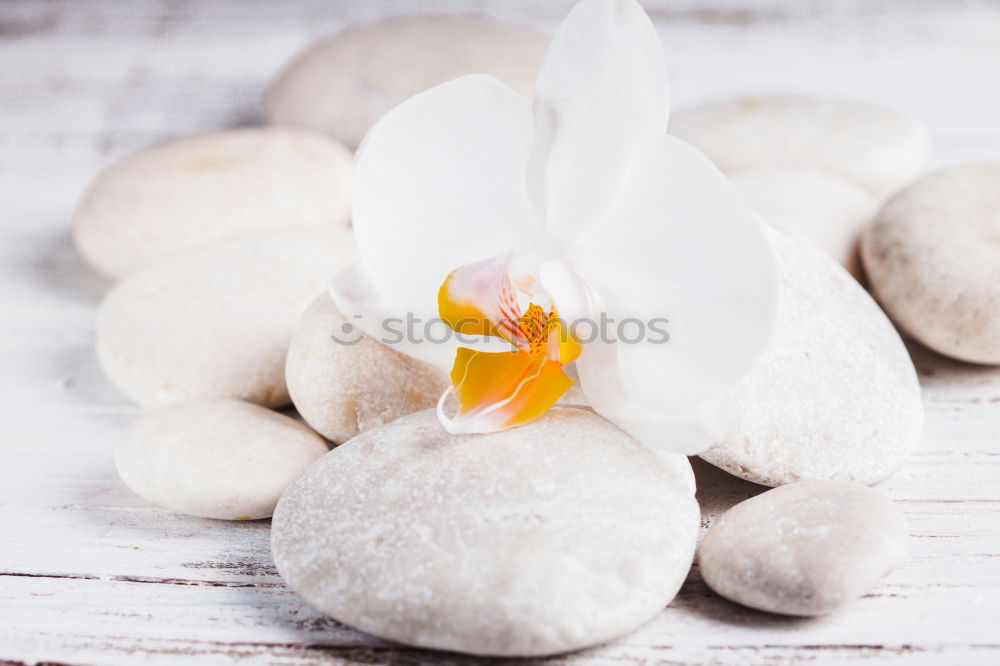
point(140, 579)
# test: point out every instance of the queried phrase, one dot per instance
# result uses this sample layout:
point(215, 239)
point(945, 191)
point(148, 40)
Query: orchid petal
point(439, 182)
point(680, 247)
point(565, 290)
point(687, 432)
point(603, 91)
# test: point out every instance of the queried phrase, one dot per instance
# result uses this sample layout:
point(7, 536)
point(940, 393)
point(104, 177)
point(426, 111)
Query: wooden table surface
point(90, 574)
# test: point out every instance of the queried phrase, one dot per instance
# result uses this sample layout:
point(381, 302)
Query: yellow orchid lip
point(500, 390)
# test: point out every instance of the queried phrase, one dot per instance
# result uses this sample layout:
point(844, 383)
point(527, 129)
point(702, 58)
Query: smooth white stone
point(344, 389)
point(343, 84)
point(821, 207)
point(216, 322)
point(204, 188)
point(807, 548)
point(933, 260)
point(835, 396)
point(215, 458)
point(877, 147)
point(550, 537)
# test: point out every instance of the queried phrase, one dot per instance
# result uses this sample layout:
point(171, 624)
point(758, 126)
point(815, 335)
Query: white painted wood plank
point(90, 574)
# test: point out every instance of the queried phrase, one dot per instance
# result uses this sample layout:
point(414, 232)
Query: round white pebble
point(835, 396)
point(215, 458)
point(550, 537)
point(204, 188)
point(216, 323)
point(933, 261)
point(807, 548)
point(822, 208)
point(343, 84)
point(877, 147)
point(344, 382)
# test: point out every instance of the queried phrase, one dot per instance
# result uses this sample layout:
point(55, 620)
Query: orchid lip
point(499, 390)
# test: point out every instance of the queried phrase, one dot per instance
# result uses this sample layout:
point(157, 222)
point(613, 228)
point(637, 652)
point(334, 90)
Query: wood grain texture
point(89, 574)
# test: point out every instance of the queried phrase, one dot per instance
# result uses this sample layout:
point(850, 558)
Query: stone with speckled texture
point(835, 395)
point(541, 539)
point(933, 260)
point(223, 459)
point(807, 548)
point(344, 389)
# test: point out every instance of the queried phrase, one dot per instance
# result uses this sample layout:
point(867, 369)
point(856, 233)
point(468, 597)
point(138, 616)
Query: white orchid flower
point(522, 221)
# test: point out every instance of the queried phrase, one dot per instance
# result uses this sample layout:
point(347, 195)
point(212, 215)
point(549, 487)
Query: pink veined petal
point(479, 299)
point(439, 183)
point(602, 92)
point(679, 253)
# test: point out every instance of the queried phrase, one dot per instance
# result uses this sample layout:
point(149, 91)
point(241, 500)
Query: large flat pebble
point(538, 540)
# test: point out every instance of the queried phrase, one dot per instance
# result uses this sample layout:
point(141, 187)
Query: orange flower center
point(500, 390)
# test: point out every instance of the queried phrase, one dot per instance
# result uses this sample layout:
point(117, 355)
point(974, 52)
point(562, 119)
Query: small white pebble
point(806, 548)
point(344, 389)
point(933, 260)
point(198, 189)
point(343, 84)
point(821, 207)
point(216, 323)
point(877, 147)
point(215, 458)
